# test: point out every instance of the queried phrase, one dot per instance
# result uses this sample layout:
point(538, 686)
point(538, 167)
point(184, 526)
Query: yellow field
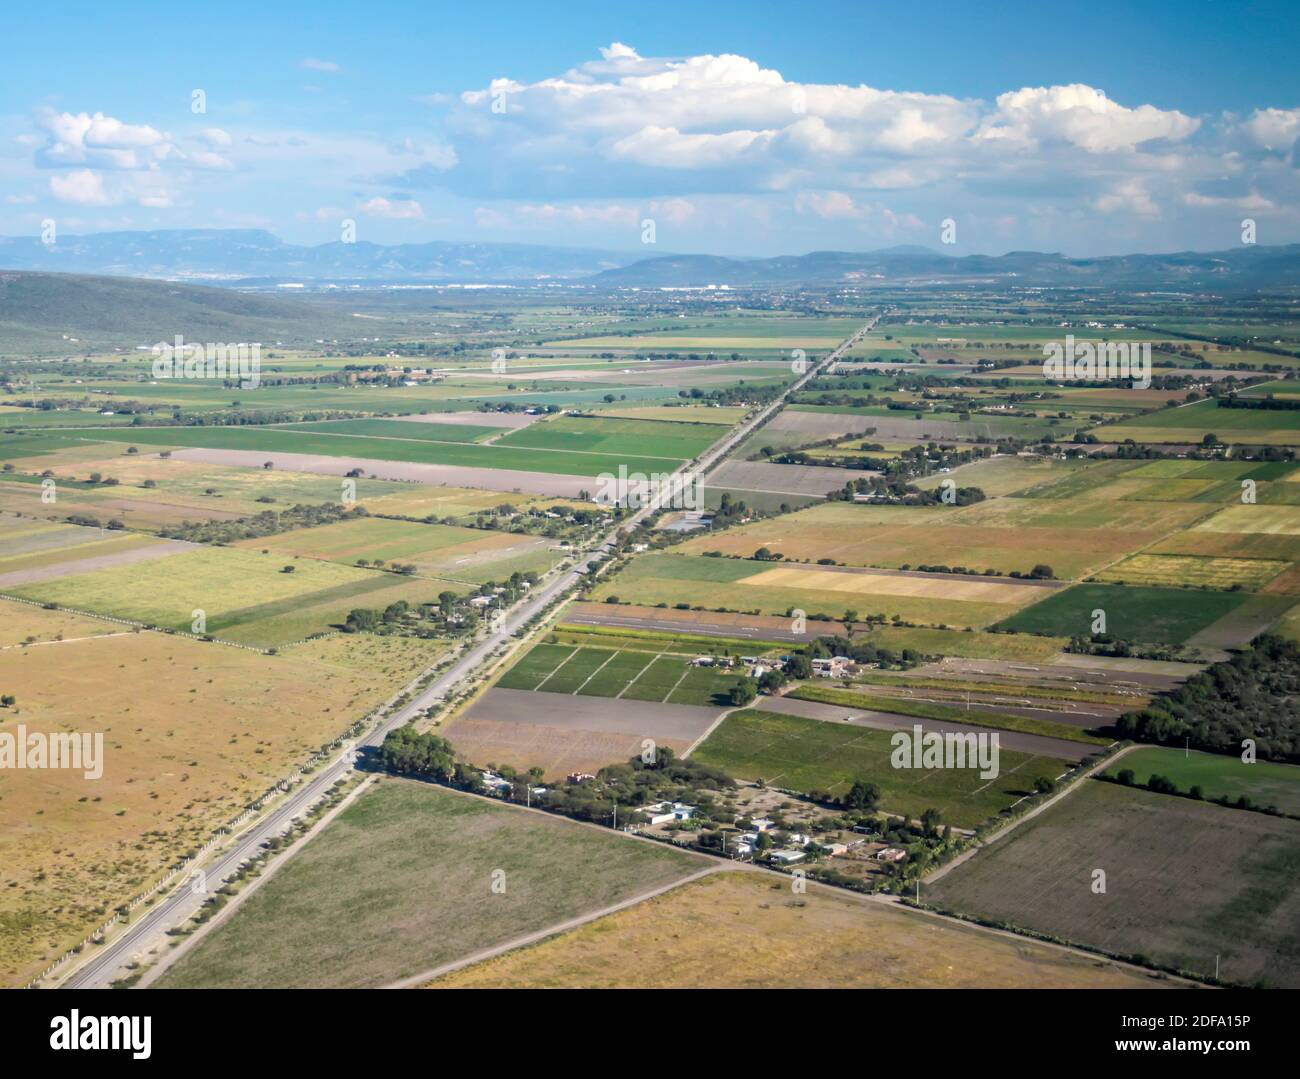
point(22, 623)
point(1186, 570)
point(191, 732)
point(1074, 538)
point(1269, 520)
point(746, 930)
point(956, 586)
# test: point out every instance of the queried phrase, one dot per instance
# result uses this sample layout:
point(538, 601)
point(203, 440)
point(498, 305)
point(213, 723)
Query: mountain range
point(254, 257)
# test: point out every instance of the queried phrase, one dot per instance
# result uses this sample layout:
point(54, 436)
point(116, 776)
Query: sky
point(751, 129)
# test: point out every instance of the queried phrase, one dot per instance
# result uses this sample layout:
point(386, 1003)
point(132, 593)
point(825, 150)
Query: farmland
point(409, 870)
point(245, 596)
point(808, 754)
point(272, 440)
point(730, 583)
point(1158, 901)
point(464, 555)
point(821, 940)
point(1262, 782)
point(1160, 615)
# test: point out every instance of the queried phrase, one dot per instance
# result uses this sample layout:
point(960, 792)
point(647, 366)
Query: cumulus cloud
point(392, 209)
point(81, 188)
point(1081, 116)
point(1274, 129)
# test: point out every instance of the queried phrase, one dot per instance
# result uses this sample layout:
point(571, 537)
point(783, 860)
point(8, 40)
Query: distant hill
point(228, 255)
point(42, 313)
point(1246, 267)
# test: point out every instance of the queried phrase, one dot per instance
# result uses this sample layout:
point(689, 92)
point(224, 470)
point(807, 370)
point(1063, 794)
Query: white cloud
point(1082, 116)
point(392, 209)
point(81, 188)
point(1274, 129)
point(311, 63)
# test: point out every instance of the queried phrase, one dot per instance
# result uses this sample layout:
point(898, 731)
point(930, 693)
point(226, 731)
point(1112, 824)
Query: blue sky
point(757, 128)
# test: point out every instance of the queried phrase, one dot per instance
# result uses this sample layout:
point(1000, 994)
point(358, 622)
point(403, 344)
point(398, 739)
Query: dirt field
point(191, 731)
point(781, 479)
point(563, 733)
point(822, 939)
point(1185, 881)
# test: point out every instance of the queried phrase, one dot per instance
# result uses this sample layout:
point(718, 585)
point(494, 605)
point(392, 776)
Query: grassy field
point(1185, 881)
point(809, 754)
point(245, 595)
point(1149, 615)
point(642, 438)
point(400, 429)
point(1267, 427)
point(464, 555)
point(1263, 782)
point(639, 674)
point(821, 940)
point(1194, 572)
point(192, 732)
point(402, 882)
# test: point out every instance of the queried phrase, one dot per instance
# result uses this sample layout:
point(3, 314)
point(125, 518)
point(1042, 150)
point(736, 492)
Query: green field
point(810, 754)
point(244, 595)
point(272, 440)
point(643, 673)
point(401, 882)
point(1149, 615)
point(652, 438)
point(1263, 782)
point(402, 429)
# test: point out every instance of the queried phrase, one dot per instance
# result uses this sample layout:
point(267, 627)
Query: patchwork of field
point(1008, 534)
point(1160, 902)
point(820, 940)
point(802, 754)
point(1218, 776)
point(245, 596)
point(759, 628)
point(463, 555)
point(402, 882)
point(757, 587)
point(499, 455)
point(191, 733)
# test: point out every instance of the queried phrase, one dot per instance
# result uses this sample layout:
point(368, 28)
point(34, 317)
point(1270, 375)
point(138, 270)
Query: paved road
point(109, 961)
